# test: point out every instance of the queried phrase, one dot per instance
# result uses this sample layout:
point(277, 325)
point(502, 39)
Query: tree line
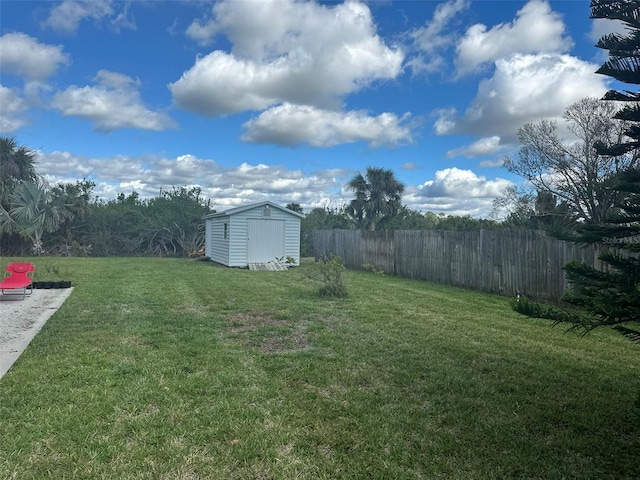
point(67, 219)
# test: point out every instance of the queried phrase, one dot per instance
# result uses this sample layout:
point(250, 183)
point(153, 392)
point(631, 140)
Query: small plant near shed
point(328, 275)
point(288, 260)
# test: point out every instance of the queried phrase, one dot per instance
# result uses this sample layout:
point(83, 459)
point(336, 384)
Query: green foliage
point(114, 227)
point(612, 295)
point(288, 260)
point(33, 211)
point(536, 310)
point(70, 238)
point(17, 164)
point(295, 207)
point(466, 223)
point(377, 196)
point(370, 267)
point(623, 66)
point(174, 222)
point(65, 220)
point(321, 218)
point(168, 225)
point(328, 274)
point(407, 219)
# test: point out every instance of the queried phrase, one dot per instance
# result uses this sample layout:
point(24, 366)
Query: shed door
point(265, 240)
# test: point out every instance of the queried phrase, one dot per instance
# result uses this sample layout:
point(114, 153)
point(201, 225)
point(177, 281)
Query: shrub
point(329, 276)
point(370, 267)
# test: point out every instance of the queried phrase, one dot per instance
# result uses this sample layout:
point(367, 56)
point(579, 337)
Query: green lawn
point(171, 368)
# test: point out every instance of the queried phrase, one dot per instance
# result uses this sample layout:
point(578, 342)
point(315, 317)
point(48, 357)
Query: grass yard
point(176, 369)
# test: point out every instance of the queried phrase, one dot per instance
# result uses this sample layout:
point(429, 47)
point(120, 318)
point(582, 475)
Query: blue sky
point(285, 100)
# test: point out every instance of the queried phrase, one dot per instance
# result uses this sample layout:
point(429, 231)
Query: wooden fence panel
point(504, 262)
point(377, 250)
point(348, 246)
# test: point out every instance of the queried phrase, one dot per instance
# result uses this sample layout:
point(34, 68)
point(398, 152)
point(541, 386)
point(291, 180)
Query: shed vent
point(266, 212)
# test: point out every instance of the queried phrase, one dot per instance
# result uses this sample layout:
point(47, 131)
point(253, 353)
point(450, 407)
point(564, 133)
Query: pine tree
point(613, 296)
point(623, 65)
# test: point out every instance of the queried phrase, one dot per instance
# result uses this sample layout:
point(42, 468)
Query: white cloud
point(479, 148)
point(524, 88)
point(294, 124)
point(114, 102)
point(409, 166)
point(116, 80)
point(492, 163)
point(219, 84)
point(225, 186)
point(435, 37)
point(605, 26)
point(536, 29)
point(23, 55)
point(457, 183)
point(124, 20)
point(452, 191)
point(11, 112)
point(66, 17)
point(456, 192)
point(284, 51)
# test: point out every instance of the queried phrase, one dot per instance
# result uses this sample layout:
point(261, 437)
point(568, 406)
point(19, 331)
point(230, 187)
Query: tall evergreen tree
point(623, 65)
point(613, 296)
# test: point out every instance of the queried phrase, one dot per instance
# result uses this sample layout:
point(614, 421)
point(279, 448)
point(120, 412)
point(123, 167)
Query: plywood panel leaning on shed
point(260, 232)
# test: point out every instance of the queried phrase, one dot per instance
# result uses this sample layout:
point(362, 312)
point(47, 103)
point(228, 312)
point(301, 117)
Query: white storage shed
point(256, 233)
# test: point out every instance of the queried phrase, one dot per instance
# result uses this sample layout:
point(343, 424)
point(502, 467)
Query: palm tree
point(16, 164)
point(33, 211)
point(378, 195)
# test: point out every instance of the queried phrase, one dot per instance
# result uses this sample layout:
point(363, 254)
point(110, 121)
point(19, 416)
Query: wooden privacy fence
point(505, 262)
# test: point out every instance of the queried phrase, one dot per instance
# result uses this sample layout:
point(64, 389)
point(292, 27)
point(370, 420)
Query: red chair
point(18, 276)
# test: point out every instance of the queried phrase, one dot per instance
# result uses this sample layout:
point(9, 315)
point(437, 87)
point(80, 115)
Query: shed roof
point(234, 210)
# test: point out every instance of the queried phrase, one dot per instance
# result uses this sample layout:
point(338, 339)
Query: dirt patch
point(267, 333)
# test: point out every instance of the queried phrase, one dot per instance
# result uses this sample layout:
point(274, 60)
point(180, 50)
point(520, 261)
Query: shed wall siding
point(219, 246)
point(207, 237)
point(238, 240)
point(292, 239)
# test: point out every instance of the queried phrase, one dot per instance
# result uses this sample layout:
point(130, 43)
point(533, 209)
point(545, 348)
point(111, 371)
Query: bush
point(370, 267)
point(329, 276)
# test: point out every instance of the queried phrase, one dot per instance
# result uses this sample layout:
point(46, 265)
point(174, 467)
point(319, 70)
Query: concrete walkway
point(21, 320)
